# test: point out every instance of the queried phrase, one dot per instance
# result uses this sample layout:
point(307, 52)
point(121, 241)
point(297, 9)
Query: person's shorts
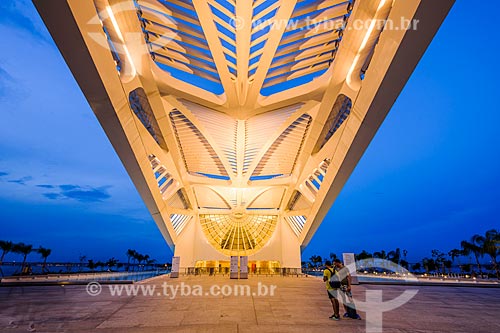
point(333, 293)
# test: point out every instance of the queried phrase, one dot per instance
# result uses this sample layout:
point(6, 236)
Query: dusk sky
point(429, 179)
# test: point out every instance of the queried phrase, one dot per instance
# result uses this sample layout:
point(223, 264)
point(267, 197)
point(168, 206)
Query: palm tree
point(394, 256)
point(491, 247)
point(45, 253)
point(6, 247)
point(454, 254)
point(150, 263)
point(111, 263)
point(364, 255)
point(380, 255)
point(24, 250)
point(319, 261)
point(474, 248)
point(139, 257)
point(439, 259)
point(130, 254)
point(316, 260)
point(429, 265)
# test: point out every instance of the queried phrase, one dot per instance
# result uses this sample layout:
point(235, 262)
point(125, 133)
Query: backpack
point(334, 279)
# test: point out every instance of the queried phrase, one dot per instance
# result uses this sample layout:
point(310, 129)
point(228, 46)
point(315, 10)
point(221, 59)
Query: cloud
point(6, 83)
point(45, 186)
point(79, 193)
point(21, 181)
point(21, 15)
point(69, 187)
point(3, 173)
point(52, 196)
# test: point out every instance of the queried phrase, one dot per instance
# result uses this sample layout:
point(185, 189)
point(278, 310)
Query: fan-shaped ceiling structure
point(239, 121)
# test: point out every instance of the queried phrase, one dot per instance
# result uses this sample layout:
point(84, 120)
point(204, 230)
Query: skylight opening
point(176, 31)
point(308, 26)
point(114, 52)
point(228, 45)
point(190, 64)
point(293, 65)
point(225, 31)
point(230, 58)
point(178, 8)
point(269, 15)
point(318, 11)
point(258, 46)
point(221, 15)
point(211, 86)
point(261, 7)
point(220, 177)
point(255, 59)
point(315, 183)
point(290, 83)
point(261, 32)
point(265, 177)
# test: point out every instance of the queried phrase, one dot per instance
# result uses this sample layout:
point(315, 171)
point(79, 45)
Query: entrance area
point(255, 267)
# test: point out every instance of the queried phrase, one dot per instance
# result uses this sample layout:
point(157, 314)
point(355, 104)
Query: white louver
point(221, 128)
point(198, 155)
point(260, 128)
point(281, 157)
point(315, 179)
point(179, 221)
point(166, 183)
point(296, 223)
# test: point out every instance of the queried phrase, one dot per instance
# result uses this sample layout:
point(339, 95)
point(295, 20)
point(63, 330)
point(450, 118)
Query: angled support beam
point(284, 12)
point(212, 35)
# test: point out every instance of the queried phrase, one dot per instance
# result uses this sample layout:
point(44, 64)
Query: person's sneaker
point(346, 315)
point(358, 317)
point(335, 317)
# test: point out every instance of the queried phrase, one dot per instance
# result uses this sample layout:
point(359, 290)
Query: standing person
point(333, 293)
point(345, 290)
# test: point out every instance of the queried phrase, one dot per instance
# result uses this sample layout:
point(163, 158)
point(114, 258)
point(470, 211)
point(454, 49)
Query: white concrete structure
point(239, 121)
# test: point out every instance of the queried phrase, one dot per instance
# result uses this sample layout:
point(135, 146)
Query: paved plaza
point(299, 304)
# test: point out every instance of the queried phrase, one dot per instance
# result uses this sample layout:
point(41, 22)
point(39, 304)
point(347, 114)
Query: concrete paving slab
point(299, 304)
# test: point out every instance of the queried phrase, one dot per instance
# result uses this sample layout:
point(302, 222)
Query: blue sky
point(428, 180)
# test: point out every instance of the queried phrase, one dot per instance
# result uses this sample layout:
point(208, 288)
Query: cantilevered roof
point(243, 36)
point(241, 117)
